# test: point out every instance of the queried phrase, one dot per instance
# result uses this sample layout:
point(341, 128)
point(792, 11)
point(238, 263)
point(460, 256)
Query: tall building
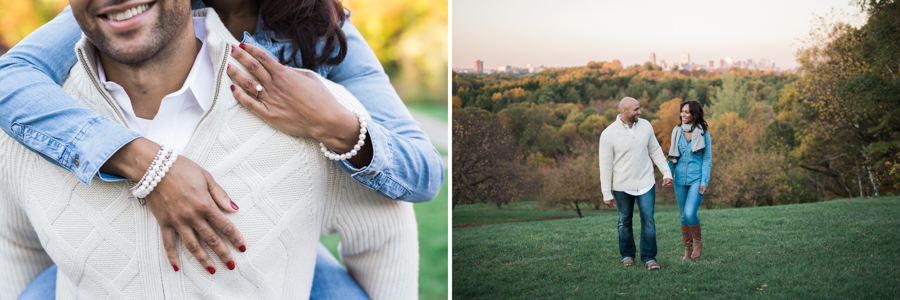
point(653, 57)
point(712, 65)
point(663, 65)
point(479, 67)
point(685, 58)
point(722, 64)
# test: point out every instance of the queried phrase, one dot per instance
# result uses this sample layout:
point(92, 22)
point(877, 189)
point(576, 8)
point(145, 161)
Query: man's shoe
point(652, 266)
point(628, 262)
point(687, 239)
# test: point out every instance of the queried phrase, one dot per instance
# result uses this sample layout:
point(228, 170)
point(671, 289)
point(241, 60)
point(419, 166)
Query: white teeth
point(128, 14)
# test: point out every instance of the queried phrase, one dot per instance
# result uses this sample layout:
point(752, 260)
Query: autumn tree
point(575, 182)
point(487, 166)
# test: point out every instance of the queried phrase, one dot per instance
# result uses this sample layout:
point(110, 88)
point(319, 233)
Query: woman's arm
point(39, 114)
point(36, 111)
point(707, 161)
point(405, 166)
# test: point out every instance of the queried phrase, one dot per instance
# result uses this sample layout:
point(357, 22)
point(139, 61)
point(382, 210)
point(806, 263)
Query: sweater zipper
point(215, 96)
point(103, 91)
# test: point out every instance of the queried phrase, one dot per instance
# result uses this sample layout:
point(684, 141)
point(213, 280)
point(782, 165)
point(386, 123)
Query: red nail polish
point(232, 48)
point(230, 265)
point(281, 63)
point(228, 67)
point(234, 205)
point(175, 267)
point(243, 248)
point(211, 270)
point(232, 89)
point(243, 46)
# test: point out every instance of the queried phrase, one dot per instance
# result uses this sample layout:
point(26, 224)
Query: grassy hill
point(831, 250)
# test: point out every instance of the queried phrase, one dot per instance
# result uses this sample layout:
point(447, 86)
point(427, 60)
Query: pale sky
point(572, 33)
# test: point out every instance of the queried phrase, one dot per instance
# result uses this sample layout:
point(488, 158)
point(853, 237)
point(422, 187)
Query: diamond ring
point(258, 89)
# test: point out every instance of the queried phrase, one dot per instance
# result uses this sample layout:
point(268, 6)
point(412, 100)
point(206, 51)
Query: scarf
point(697, 141)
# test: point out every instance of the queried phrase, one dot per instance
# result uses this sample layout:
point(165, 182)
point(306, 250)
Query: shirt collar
point(620, 121)
point(201, 79)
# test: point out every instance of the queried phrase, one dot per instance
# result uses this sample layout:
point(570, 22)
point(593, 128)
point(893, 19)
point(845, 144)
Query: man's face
point(131, 31)
point(632, 112)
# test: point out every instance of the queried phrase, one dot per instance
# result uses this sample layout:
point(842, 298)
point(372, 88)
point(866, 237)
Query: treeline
point(833, 131)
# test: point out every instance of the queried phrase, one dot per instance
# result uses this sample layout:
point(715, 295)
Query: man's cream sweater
point(625, 158)
point(107, 246)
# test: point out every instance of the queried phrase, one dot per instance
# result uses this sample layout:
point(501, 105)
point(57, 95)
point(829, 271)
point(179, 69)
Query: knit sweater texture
point(625, 158)
point(108, 246)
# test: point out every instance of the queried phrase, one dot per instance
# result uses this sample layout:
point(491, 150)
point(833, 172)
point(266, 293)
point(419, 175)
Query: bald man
point(627, 147)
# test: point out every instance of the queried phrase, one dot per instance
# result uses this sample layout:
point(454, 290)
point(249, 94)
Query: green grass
point(432, 219)
point(526, 211)
point(438, 111)
point(842, 249)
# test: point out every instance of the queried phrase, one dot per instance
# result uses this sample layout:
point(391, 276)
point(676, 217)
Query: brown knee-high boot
point(698, 244)
point(688, 241)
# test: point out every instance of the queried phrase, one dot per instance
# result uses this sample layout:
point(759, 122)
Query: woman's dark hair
point(305, 23)
point(697, 112)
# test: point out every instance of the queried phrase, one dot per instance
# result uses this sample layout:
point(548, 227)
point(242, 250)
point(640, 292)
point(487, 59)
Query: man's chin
point(131, 53)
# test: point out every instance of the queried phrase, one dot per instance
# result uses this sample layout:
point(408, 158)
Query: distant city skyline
point(541, 33)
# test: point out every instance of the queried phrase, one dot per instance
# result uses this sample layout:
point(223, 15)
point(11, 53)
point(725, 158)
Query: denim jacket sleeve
point(405, 166)
point(36, 111)
point(707, 161)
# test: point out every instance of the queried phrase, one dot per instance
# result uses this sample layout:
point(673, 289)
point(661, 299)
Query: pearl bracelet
point(158, 168)
point(362, 141)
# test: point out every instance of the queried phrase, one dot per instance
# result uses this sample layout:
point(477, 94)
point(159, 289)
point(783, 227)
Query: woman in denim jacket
point(690, 159)
point(400, 164)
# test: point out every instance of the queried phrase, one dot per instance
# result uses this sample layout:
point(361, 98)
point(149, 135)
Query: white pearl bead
point(161, 175)
point(362, 124)
point(352, 152)
point(153, 184)
point(363, 130)
point(165, 169)
point(362, 136)
point(361, 143)
point(157, 179)
point(356, 147)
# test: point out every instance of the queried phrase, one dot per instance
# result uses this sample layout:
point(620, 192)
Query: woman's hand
point(295, 102)
point(185, 202)
point(702, 190)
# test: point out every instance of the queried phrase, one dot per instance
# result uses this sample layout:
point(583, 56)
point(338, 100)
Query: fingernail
point(281, 63)
point(175, 267)
point(232, 89)
point(228, 67)
point(211, 270)
point(230, 265)
point(243, 248)
point(243, 46)
point(232, 202)
point(232, 48)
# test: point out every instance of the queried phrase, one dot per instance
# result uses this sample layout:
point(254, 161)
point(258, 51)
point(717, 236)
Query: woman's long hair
point(305, 23)
point(697, 112)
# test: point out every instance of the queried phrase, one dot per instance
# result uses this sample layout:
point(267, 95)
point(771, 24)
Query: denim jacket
point(36, 111)
point(692, 166)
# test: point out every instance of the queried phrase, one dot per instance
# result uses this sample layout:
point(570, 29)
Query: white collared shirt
point(631, 130)
point(179, 112)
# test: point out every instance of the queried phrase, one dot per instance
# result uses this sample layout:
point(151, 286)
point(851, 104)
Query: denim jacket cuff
point(376, 175)
point(95, 144)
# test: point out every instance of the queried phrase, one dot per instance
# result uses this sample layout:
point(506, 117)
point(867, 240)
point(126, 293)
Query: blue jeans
point(688, 201)
point(625, 206)
point(330, 282)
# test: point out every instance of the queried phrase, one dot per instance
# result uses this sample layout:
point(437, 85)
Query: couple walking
point(626, 175)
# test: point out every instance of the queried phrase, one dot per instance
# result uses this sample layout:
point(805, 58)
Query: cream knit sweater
point(625, 158)
point(108, 246)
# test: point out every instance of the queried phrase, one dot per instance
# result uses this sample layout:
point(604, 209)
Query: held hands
point(295, 102)
point(668, 182)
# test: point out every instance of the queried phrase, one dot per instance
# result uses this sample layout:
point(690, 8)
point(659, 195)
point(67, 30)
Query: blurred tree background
point(830, 131)
point(408, 36)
